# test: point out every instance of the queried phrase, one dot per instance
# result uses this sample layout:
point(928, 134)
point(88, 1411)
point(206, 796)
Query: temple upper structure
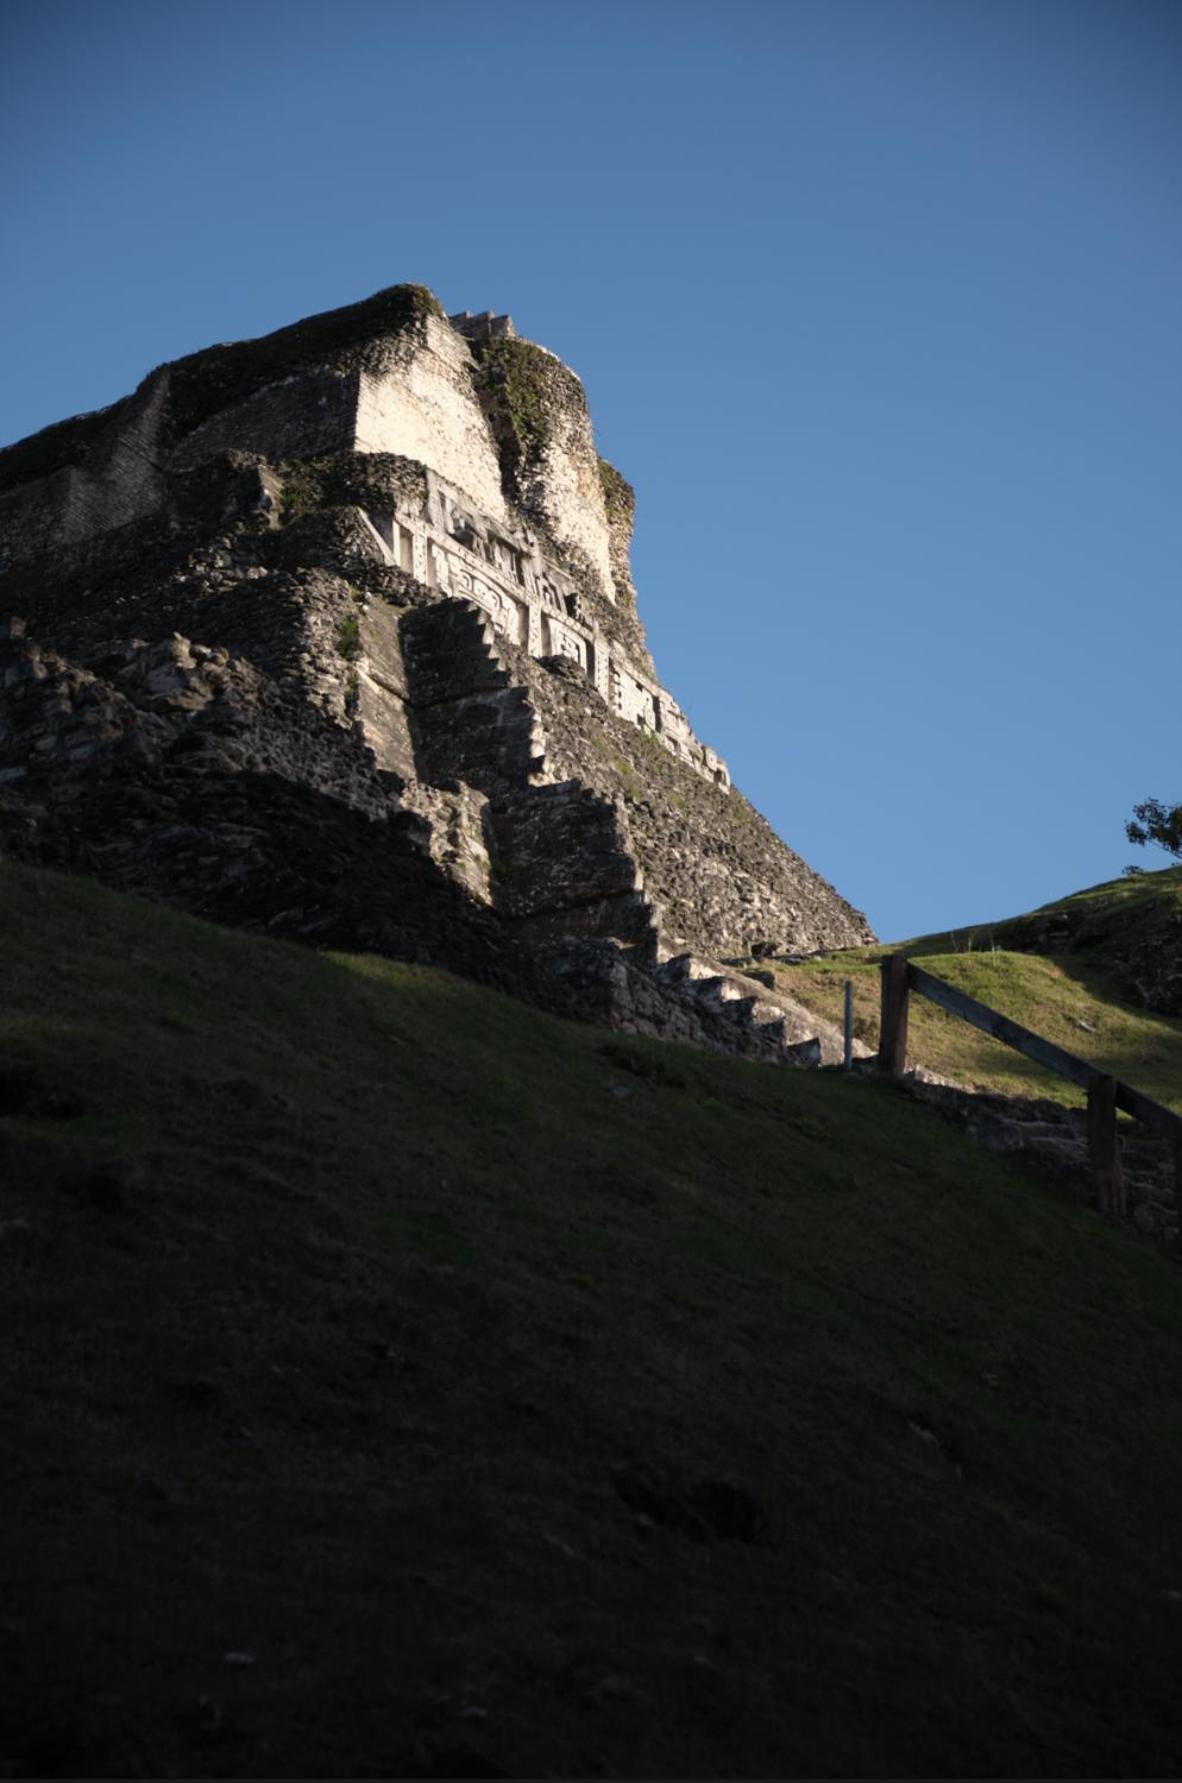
point(493, 491)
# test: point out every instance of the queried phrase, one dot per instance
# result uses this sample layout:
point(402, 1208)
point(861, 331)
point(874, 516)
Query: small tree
point(1157, 823)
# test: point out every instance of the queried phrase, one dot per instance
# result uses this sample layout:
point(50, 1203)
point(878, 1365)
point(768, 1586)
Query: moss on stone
point(619, 497)
point(349, 638)
point(619, 501)
point(528, 389)
point(305, 487)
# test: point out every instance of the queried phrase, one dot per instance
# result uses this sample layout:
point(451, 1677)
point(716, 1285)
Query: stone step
point(765, 1014)
point(716, 989)
point(1059, 1138)
point(1056, 1130)
point(684, 967)
point(728, 991)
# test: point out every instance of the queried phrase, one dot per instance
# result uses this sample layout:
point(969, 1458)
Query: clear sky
point(878, 304)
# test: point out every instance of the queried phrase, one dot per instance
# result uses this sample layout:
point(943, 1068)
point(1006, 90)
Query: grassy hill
point(1105, 931)
point(398, 1381)
point(1075, 971)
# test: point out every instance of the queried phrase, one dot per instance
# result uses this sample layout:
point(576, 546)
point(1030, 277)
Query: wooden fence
point(1106, 1095)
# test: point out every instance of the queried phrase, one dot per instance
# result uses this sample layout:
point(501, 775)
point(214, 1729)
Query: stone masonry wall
point(539, 416)
point(296, 388)
point(421, 404)
point(719, 875)
point(304, 416)
point(560, 856)
point(120, 481)
point(619, 502)
point(470, 722)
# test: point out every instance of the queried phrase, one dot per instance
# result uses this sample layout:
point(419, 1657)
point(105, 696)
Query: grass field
point(1069, 983)
point(399, 1382)
point(1092, 927)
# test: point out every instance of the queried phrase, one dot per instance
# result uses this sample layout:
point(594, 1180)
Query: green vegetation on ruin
point(529, 386)
point(444, 1386)
point(305, 486)
point(1069, 970)
point(619, 497)
point(348, 638)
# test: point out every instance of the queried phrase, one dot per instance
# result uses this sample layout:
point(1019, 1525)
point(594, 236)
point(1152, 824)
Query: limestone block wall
point(379, 692)
point(720, 876)
point(619, 501)
point(470, 722)
point(562, 864)
point(567, 489)
point(538, 413)
point(559, 859)
point(305, 415)
point(68, 728)
point(405, 384)
point(422, 404)
point(121, 479)
point(294, 393)
point(391, 375)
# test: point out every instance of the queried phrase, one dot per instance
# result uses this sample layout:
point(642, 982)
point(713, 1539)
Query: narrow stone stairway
point(562, 865)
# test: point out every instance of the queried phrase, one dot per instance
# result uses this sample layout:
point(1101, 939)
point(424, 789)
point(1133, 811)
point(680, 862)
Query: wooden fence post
point(892, 1033)
point(1104, 1146)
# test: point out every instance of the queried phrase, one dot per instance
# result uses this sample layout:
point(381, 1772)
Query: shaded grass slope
point(400, 1382)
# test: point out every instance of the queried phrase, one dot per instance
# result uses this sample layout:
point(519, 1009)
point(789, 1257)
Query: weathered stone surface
point(510, 510)
point(334, 633)
point(562, 863)
point(538, 412)
point(724, 880)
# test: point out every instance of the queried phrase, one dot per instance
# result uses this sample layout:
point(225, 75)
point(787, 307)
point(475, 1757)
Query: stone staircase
point(559, 854)
point(762, 1020)
point(563, 871)
point(470, 722)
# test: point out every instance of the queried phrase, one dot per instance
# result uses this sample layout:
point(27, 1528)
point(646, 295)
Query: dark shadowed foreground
point(400, 1381)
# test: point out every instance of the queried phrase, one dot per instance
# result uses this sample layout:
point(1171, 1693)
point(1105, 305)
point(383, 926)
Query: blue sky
point(876, 301)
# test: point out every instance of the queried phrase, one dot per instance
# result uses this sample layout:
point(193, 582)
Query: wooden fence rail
point(1106, 1094)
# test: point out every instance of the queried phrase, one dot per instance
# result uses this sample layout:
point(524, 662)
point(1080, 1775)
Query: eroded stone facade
point(444, 541)
point(535, 564)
